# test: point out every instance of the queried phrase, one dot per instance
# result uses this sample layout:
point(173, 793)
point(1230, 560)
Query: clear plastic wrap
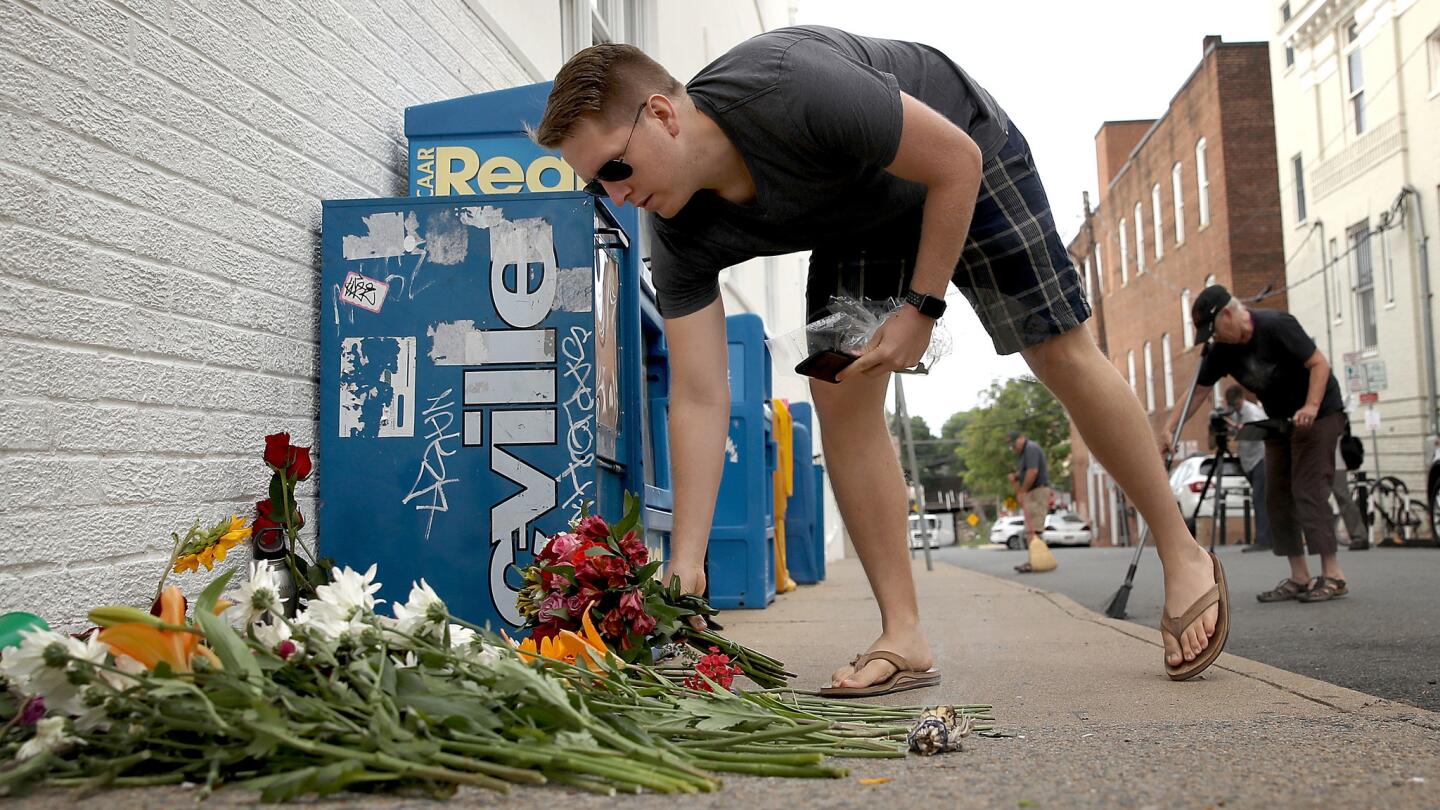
point(848, 329)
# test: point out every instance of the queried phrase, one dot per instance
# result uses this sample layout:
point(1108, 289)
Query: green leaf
point(277, 496)
point(599, 551)
point(717, 714)
point(631, 518)
point(648, 571)
point(233, 652)
point(208, 597)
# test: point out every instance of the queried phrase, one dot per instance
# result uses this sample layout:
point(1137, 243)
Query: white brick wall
point(162, 164)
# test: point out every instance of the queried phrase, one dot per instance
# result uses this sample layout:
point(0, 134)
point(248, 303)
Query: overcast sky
point(1059, 68)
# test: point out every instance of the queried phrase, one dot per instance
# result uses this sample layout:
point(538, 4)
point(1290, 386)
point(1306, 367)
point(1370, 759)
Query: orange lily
point(568, 646)
point(152, 645)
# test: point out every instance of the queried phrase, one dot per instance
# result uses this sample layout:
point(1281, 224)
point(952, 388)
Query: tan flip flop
point(905, 677)
point(1174, 627)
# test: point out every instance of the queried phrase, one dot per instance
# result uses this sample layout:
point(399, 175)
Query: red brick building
point(1186, 200)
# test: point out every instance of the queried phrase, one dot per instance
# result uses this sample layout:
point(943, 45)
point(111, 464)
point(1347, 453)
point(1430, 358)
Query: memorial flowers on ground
point(605, 571)
point(351, 695)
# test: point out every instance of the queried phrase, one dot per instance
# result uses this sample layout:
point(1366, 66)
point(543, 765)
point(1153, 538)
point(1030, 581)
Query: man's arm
point(1029, 482)
point(1201, 396)
point(935, 152)
point(699, 423)
point(1319, 369)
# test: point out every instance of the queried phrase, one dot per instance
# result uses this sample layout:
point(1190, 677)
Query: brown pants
point(1299, 472)
point(1035, 503)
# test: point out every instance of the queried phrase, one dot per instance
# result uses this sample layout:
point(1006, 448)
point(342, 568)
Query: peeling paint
point(377, 387)
point(388, 234)
point(575, 290)
point(459, 343)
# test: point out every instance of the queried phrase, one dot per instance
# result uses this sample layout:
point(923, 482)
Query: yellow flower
point(234, 533)
point(568, 646)
point(152, 645)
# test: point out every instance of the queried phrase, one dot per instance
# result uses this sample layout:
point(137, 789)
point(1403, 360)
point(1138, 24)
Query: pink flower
point(632, 605)
point(552, 603)
point(560, 547)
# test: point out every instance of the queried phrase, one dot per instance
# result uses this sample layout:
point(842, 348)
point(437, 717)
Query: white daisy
point(49, 735)
point(423, 613)
point(343, 608)
point(39, 666)
point(259, 594)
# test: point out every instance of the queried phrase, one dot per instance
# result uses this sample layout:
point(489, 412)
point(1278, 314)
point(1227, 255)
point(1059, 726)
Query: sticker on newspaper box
point(364, 292)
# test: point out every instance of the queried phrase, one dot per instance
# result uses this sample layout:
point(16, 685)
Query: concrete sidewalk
point(1096, 722)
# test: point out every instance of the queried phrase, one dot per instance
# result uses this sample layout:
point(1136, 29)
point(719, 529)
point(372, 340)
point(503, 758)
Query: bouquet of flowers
point(343, 697)
point(605, 569)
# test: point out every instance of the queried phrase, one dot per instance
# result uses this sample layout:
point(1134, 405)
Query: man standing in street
point(901, 175)
point(1252, 461)
point(1271, 355)
point(1031, 483)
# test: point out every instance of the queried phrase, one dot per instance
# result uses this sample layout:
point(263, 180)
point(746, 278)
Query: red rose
point(277, 450)
point(300, 462)
point(592, 528)
point(264, 519)
point(614, 626)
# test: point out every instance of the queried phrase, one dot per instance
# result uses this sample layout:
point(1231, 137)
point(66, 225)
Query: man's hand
point(1305, 417)
point(692, 580)
point(899, 343)
point(1162, 442)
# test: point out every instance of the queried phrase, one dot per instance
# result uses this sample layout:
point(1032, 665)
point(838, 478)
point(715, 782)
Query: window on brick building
point(1149, 378)
point(1187, 329)
point(1168, 371)
point(1289, 55)
point(1139, 239)
point(1366, 331)
point(1202, 182)
point(1156, 219)
point(1089, 288)
point(1177, 187)
point(1100, 267)
point(1130, 366)
point(1299, 168)
point(1284, 12)
point(1124, 256)
point(1355, 74)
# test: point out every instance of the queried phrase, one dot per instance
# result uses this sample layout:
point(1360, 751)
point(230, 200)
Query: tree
point(1021, 404)
point(934, 456)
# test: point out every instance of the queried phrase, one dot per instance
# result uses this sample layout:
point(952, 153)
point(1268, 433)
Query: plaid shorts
point(1014, 269)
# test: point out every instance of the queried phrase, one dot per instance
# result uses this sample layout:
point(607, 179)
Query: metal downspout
point(1426, 295)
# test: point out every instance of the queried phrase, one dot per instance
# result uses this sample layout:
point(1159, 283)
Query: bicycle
point(1389, 501)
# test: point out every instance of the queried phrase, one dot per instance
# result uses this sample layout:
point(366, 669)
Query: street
point(1383, 638)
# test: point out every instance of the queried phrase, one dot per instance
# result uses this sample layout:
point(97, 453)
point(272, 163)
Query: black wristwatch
point(929, 306)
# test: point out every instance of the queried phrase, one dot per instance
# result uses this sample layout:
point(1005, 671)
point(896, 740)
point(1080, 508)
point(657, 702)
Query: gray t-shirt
point(1252, 452)
point(815, 113)
point(1033, 458)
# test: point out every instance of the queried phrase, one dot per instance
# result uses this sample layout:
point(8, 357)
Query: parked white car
point(1188, 478)
point(1066, 529)
point(1009, 532)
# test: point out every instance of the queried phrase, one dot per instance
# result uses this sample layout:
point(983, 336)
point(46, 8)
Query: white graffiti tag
point(439, 418)
point(580, 415)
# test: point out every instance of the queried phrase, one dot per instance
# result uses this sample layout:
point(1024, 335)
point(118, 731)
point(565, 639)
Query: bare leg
point(870, 491)
point(1114, 427)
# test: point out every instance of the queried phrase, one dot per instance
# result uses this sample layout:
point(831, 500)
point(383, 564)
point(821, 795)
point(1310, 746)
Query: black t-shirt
point(815, 113)
point(1272, 365)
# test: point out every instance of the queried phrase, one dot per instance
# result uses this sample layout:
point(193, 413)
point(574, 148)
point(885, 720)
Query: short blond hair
point(608, 82)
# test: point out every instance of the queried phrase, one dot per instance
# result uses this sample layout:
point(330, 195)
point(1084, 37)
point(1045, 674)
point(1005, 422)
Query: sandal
point(905, 677)
point(1175, 627)
point(1286, 590)
point(1323, 589)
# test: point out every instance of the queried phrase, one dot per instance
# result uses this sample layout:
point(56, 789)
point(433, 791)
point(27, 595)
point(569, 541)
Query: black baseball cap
point(1202, 313)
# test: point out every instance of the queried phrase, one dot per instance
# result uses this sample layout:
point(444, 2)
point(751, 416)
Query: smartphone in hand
point(824, 364)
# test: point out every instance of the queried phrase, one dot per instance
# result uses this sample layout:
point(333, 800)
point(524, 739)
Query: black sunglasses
point(615, 169)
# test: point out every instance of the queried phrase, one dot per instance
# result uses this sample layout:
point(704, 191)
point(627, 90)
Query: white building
point(1357, 118)
point(162, 167)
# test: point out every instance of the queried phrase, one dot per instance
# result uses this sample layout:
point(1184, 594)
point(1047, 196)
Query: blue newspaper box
point(740, 568)
point(804, 546)
point(483, 362)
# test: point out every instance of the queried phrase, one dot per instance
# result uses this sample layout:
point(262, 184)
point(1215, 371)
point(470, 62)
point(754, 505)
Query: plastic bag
point(848, 329)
